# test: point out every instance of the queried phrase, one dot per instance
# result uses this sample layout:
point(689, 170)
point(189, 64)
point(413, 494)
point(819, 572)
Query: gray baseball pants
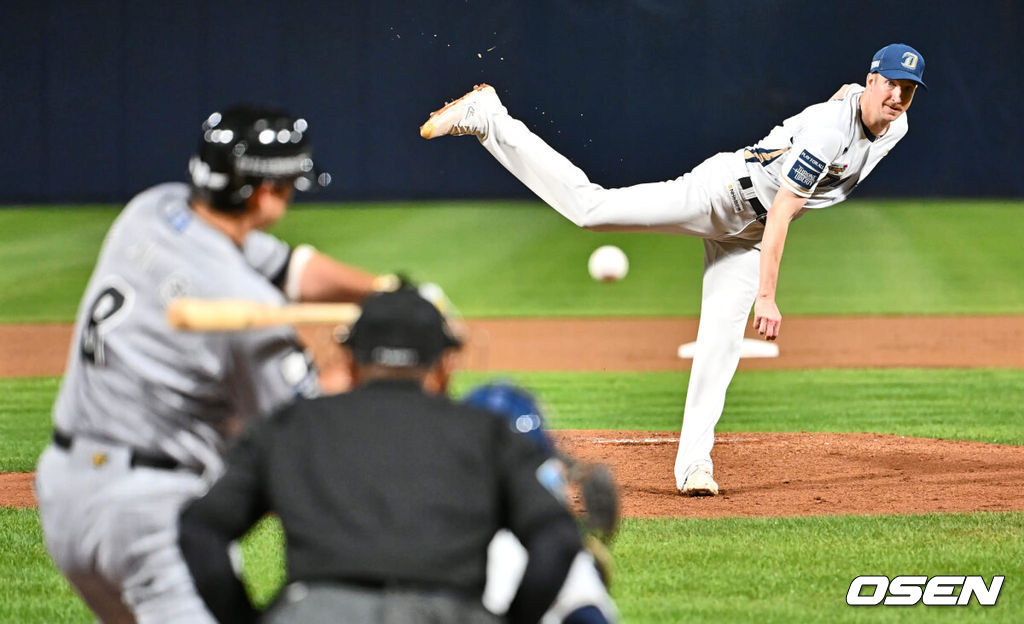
point(113, 531)
point(324, 603)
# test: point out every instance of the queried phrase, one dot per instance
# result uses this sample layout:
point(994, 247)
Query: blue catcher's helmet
point(515, 404)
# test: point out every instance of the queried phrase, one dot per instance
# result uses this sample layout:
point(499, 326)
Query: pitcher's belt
point(138, 458)
point(748, 193)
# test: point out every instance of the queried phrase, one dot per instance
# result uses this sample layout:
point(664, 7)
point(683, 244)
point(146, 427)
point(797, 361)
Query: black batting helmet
point(244, 146)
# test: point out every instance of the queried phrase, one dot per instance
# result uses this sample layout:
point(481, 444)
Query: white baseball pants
point(696, 204)
point(113, 531)
point(506, 562)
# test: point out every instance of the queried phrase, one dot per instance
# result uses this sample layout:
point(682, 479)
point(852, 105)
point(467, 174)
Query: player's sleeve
point(269, 369)
point(533, 483)
point(210, 524)
point(816, 145)
point(278, 262)
point(269, 255)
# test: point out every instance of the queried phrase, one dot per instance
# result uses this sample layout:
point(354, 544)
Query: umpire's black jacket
point(383, 486)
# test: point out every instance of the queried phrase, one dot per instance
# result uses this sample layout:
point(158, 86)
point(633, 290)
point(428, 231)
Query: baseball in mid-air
point(608, 263)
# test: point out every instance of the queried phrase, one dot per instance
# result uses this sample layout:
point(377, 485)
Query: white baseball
point(608, 263)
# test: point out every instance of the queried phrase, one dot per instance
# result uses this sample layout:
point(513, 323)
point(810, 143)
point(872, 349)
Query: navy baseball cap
point(399, 328)
point(898, 61)
point(517, 406)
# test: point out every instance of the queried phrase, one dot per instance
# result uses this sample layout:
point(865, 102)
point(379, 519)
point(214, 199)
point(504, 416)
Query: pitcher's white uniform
point(821, 153)
point(144, 411)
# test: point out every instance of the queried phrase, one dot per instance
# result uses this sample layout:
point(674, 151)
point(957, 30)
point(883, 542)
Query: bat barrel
point(236, 314)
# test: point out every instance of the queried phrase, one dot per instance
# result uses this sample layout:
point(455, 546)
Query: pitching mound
point(800, 474)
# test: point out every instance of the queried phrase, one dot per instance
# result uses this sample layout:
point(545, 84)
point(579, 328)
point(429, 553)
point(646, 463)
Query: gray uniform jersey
point(133, 380)
point(822, 153)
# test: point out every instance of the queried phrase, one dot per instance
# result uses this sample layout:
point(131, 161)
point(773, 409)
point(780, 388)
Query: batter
point(143, 412)
point(740, 203)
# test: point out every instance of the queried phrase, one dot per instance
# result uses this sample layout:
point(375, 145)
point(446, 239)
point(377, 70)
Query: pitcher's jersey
point(133, 380)
point(822, 153)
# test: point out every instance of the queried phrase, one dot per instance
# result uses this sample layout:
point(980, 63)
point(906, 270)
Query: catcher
point(583, 599)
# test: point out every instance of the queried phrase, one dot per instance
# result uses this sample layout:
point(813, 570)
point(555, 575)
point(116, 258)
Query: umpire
point(388, 494)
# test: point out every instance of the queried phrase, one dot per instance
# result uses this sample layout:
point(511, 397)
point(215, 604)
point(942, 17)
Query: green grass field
point(522, 259)
point(518, 259)
point(670, 571)
point(978, 404)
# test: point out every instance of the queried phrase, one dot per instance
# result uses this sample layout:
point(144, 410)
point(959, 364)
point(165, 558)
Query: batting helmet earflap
point(243, 146)
point(517, 405)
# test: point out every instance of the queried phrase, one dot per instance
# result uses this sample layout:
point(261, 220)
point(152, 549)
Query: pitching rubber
point(752, 348)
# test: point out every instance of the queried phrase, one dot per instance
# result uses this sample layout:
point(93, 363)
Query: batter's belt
point(137, 458)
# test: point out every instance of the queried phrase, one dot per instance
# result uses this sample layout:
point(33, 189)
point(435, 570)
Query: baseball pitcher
point(144, 411)
point(741, 203)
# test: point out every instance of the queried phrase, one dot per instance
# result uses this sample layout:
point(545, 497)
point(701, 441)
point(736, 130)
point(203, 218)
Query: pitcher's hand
point(767, 318)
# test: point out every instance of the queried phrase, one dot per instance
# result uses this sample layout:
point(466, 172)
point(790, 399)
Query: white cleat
point(466, 115)
point(700, 483)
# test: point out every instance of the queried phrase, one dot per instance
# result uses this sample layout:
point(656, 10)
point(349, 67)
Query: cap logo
point(875, 64)
point(274, 166)
point(909, 60)
point(393, 356)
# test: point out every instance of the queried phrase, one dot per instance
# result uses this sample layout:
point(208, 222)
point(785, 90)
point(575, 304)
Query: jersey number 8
point(106, 311)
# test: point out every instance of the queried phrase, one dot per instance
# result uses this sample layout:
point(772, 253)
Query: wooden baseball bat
point(237, 314)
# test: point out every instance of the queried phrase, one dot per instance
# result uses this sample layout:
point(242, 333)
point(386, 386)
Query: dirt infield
point(804, 474)
point(648, 344)
point(16, 489)
point(760, 474)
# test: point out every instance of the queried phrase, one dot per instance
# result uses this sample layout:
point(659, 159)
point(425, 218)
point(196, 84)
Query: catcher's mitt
point(600, 498)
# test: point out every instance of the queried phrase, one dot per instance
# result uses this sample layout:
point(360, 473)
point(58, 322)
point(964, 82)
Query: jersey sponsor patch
point(805, 170)
point(813, 163)
point(803, 177)
point(734, 197)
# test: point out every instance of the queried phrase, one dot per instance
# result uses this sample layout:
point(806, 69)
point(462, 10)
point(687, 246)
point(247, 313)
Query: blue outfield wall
point(101, 98)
